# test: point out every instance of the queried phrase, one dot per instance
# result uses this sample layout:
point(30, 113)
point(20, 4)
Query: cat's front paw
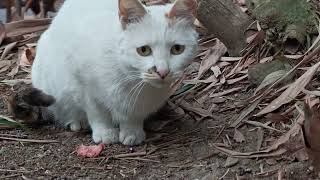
point(132, 136)
point(78, 125)
point(106, 136)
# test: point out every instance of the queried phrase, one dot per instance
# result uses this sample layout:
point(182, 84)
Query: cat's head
point(158, 41)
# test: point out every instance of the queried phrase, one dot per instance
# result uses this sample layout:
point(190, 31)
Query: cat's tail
point(31, 105)
point(36, 97)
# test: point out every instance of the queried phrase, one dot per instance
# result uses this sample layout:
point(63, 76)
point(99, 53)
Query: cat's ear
point(183, 9)
point(130, 11)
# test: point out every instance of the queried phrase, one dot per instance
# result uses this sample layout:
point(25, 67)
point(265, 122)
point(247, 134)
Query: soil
point(177, 148)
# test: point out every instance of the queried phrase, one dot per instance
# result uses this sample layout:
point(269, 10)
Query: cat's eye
point(177, 49)
point(144, 51)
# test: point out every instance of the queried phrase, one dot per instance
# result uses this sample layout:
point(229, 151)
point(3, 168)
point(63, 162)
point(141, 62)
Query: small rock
point(231, 161)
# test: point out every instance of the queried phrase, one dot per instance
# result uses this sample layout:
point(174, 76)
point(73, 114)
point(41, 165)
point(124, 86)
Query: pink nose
point(162, 73)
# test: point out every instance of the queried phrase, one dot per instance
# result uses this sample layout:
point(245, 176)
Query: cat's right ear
point(130, 11)
point(183, 9)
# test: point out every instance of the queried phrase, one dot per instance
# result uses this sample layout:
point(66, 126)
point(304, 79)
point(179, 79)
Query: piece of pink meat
point(90, 151)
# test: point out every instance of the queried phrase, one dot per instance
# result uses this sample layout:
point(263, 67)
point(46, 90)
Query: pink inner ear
point(182, 8)
point(130, 10)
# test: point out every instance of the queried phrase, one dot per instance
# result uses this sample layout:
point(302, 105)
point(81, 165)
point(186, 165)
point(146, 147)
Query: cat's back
point(82, 17)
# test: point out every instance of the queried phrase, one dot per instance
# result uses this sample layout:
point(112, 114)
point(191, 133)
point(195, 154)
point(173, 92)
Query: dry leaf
point(225, 92)
point(202, 112)
point(270, 79)
point(217, 51)
point(27, 57)
point(13, 82)
point(232, 81)
point(260, 134)
point(245, 113)
point(5, 65)
point(23, 27)
point(230, 59)
point(294, 89)
point(7, 50)
point(277, 118)
point(238, 136)
point(216, 71)
point(291, 133)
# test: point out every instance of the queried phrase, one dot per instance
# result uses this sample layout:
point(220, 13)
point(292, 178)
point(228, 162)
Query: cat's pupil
point(177, 47)
point(143, 49)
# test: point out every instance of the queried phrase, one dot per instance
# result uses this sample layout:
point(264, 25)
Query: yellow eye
point(177, 49)
point(144, 51)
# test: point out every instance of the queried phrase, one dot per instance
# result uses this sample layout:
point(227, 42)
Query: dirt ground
point(176, 148)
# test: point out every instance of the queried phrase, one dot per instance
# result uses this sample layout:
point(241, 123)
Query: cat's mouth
point(155, 80)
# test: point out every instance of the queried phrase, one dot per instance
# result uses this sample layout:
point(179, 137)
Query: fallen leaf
point(225, 92)
point(23, 27)
point(270, 79)
point(202, 112)
point(291, 92)
point(238, 136)
point(244, 113)
point(7, 50)
point(13, 82)
point(6, 121)
point(277, 118)
point(230, 59)
point(216, 70)
point(5, 65)
point(232, 81)
point(260, 134)
point(291, 133)
point(27, 57)
point(14, 71)
point(217, 51)
point(90, 151)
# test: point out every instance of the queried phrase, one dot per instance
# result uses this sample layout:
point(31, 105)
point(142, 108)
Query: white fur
point(91, 66)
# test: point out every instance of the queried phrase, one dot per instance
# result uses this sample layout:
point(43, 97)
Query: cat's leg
point(103, 129)
point(131, 129)
point(69, 116)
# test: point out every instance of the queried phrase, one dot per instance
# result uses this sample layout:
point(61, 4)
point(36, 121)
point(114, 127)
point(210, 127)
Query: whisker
point(137, 96)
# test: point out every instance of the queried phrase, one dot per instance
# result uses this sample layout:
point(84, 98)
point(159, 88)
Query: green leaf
point(183, 89)
point(10, 122)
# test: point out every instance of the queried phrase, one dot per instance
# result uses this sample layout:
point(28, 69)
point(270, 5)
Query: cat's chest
point(146, 98)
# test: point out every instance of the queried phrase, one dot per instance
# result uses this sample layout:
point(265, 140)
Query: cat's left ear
point(130, 11)
point(183, 9)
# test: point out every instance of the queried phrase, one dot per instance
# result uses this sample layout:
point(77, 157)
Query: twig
point(135, 154)
point(13, 170)
point(280, 174)
point(13, 135)
point(29, 140)
point(267, 173)
point(10, 176)
point(259, 124)
point(224, 174)
point(140, 159)
point(220, 132)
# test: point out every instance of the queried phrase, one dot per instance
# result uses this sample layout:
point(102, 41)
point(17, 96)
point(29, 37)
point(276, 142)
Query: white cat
point(110, 63)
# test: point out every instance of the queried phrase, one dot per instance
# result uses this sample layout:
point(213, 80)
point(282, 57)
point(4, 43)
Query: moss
point(283, 19)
